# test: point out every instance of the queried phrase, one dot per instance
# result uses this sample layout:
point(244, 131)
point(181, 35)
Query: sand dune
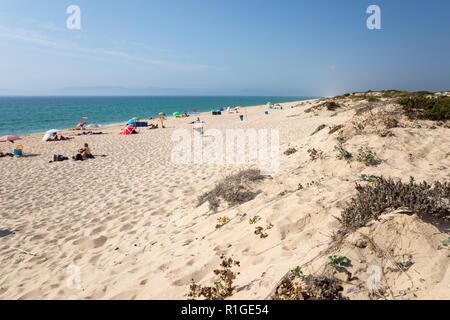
point(130, 223)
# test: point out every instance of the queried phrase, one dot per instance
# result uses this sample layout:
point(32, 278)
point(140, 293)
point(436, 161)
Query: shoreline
point(115, 124)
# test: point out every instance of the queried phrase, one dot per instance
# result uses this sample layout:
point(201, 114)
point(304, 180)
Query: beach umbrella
point(128, 129)
point(176, 114)
point(81, 124)
point(162, 114)
point(194, 110)
point(49, 133)
point(9, 138)
point(131, 122)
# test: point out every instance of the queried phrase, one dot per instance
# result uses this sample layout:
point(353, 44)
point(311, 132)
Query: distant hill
point(117, 91)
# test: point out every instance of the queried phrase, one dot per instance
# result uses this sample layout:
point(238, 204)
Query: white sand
point(129, 221)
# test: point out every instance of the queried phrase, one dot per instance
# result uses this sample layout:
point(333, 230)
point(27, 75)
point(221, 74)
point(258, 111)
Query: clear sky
point(285, 47)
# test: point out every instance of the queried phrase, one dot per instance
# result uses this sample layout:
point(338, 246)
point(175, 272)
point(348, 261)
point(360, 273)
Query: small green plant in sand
point(415, 125)
point(368, 177)
point(297, 272)
point(223, 286)
point(222, 221)
point(385, 133)
point(446, 241)
point(285, 192)
point(341, 140)
point(337, 261)
point(254, 220)
point(366, 156)
point(342, 154)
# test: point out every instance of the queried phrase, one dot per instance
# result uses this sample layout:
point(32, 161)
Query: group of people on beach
point(55, 137)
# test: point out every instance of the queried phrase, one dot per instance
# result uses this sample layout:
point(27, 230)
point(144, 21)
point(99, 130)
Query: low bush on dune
point(234, 189)
point(402, 94)
point(332, 106)
point(372, 99)
point(430, 202)
point(366, 156)
point(223, 286)
point(423, 107)
point(342, 153)
point(296, 286)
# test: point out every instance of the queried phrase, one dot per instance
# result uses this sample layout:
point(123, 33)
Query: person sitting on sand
point(198, 120)
point(54, 137)
point(85, 153)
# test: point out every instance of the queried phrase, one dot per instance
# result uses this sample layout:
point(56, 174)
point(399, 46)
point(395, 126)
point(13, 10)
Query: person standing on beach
point(162, 122)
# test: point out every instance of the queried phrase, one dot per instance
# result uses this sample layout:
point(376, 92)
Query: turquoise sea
point(24, 115)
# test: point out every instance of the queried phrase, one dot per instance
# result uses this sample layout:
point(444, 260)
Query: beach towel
point(141, 124)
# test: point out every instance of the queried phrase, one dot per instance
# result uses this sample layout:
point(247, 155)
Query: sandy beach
point(130, 222)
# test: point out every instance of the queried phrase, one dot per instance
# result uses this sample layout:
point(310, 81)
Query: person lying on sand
point(59, 157)
point(88, 133)
point(153, 126)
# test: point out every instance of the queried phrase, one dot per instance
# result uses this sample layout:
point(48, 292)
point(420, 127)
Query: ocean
point(25, 115)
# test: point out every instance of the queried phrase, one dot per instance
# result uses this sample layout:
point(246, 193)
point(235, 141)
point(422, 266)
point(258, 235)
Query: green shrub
point(342, 154)
point(422, 107)
point(331, 105)
point(372, 99)
point(337, 261)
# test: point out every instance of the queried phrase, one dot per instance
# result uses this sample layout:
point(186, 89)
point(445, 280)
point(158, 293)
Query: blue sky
point(285, 47)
